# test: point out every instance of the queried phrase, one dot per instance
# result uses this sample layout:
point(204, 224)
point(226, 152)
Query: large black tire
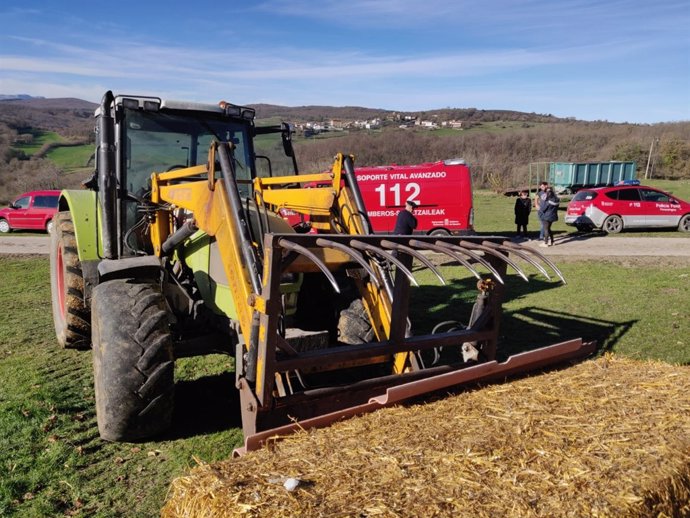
point(132, 360)
point(684, 223)
point(354, 326)
point(71, 316)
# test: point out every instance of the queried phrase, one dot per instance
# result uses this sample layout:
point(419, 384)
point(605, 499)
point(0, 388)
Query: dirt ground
point(623, 250)
point(24, 245)
point(570, 247)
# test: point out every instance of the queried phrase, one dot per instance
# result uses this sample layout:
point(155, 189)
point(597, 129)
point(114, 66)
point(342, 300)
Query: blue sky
point(618, 60)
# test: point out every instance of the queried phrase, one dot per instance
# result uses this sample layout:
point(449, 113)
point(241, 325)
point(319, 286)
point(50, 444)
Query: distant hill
point(317, 113)
point(5, 97)
point(311, 113)
point(60, 103)
point(67, 116)
point(321, 113)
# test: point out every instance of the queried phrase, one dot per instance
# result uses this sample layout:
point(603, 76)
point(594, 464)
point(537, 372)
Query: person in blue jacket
point(548, 213)
point(406, 222)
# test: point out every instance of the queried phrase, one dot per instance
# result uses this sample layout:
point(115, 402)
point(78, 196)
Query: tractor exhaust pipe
point(107, 184)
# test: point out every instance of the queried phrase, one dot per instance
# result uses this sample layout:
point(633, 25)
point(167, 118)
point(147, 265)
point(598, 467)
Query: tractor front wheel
point(132, 359)
point(70, 314)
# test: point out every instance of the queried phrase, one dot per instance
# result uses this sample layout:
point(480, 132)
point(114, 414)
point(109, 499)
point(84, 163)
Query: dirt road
point(600, 245)
point(573, 245)
point(24, 245)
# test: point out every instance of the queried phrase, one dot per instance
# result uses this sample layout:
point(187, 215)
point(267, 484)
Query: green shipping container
point(570, 177)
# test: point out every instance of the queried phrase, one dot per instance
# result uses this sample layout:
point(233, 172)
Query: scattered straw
point(607, 437)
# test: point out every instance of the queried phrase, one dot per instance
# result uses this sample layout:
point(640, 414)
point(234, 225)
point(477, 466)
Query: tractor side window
point(270, 154)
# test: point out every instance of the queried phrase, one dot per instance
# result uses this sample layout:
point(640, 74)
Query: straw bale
point(607, 437)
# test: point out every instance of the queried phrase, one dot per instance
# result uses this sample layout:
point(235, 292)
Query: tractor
point(177, 247)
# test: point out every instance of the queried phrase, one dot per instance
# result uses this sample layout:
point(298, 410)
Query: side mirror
point(287, 140)
point(13, 206)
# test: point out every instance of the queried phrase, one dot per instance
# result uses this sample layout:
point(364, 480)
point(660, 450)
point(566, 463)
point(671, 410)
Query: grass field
point(72, 158)
point(39, 138)
point(52, 462)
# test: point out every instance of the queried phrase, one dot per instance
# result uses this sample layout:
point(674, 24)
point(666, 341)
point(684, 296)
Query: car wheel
point(132, 359)
point(4, 226)
point(49, 226)
point(684, 224)
point(71, 315)
point(439, 232)
point(613, 225)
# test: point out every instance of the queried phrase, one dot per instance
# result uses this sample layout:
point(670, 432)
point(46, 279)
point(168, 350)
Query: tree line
point(499, 158)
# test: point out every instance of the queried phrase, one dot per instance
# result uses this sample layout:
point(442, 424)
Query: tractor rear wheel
point(71, 316)
point(132, 359)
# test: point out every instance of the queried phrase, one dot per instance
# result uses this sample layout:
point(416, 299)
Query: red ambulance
point(442, 191)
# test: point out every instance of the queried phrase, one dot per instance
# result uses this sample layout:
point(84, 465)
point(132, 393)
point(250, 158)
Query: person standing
point(523, 206)
point(548, 214)
point(538, 199)
point(406, 222)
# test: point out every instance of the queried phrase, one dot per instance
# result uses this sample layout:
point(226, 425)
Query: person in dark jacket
point(548, 213)
point(406, 222)
point(523, 206)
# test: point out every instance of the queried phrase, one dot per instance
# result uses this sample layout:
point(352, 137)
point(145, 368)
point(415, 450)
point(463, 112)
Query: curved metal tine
point(327, 243)
point(380, 251)
point(520, 254)
point(289, 245)
point(541, 256)
point(498, 254)
point(449, 253)
point(474, 256)
point(414, 253)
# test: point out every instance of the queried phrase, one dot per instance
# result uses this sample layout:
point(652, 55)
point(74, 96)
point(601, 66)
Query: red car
point(31, 211)
point(613, 209)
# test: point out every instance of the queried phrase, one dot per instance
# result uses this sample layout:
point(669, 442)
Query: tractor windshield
point(163, 141)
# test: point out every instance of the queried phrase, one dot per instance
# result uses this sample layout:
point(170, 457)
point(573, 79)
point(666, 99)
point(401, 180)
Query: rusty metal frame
point(482, 373)
point(263, 409)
